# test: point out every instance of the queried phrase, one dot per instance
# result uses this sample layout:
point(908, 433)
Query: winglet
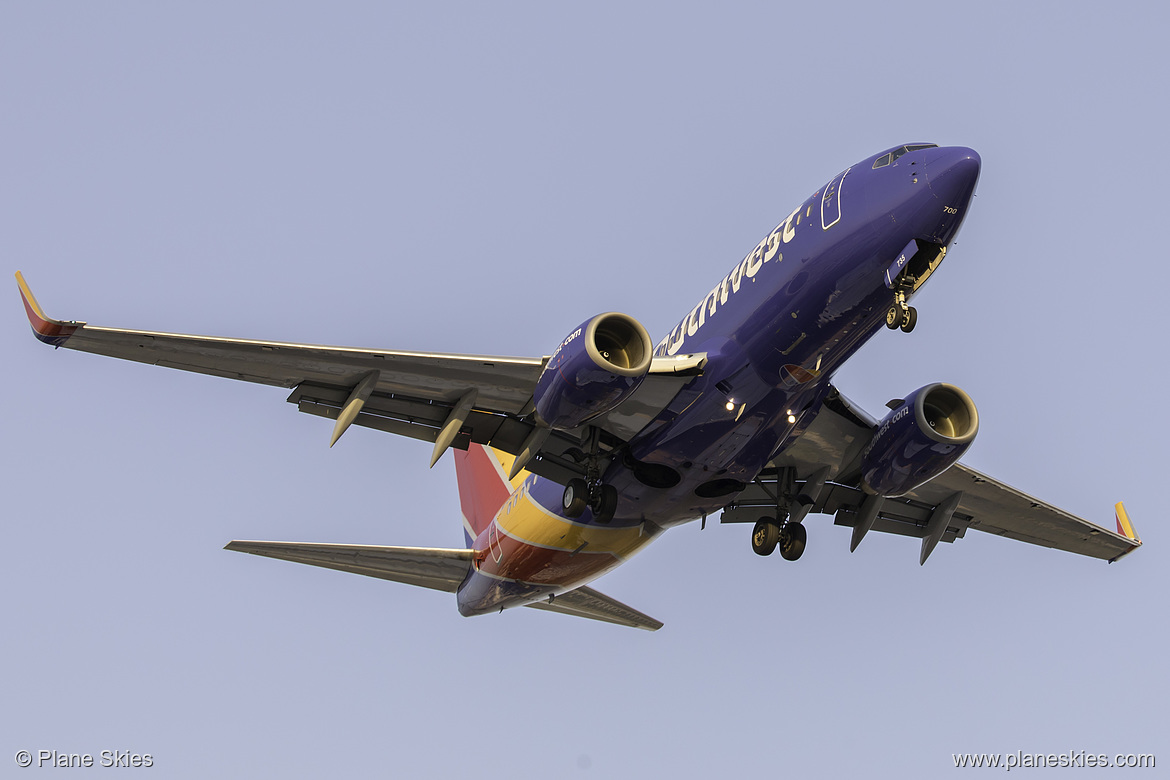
point(46, 329)
point(1124, 526)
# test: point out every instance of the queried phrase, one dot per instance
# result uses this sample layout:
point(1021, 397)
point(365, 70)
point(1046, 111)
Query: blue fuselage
point(774, 330)
point(808, 296)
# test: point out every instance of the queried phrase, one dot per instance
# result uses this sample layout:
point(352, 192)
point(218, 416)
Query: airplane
point(569, 464)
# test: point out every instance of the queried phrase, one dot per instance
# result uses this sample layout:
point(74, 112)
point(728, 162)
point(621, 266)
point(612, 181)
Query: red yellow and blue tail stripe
point(524, 547)
point(483, 486)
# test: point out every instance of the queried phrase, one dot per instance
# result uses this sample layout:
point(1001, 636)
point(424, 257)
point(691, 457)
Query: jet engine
point(595, 368)
point(920, 439)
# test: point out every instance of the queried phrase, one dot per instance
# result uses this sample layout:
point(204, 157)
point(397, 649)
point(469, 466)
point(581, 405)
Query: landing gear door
point(913, 266)
point(831, 201)
point(900, 263)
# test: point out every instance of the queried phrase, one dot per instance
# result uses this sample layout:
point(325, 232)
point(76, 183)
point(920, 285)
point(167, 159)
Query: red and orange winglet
point(44, 328)
point(1125, 528)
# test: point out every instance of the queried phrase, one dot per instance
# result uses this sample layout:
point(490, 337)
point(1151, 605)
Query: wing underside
point(449, 400)
point(941, 510)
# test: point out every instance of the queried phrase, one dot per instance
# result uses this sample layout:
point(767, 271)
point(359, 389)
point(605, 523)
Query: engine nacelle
point(919, 440)
point(593, 370)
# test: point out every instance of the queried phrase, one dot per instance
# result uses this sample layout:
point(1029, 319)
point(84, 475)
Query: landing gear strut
point(590, 492)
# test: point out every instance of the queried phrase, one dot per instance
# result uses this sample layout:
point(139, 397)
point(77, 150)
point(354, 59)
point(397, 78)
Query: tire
point(792, 545)
point(764, 536)
point(575, 498)
point(893, 318)
point(910, 320)
point(605, 504)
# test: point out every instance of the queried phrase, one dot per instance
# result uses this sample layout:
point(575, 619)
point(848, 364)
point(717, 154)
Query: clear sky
point(481, 177)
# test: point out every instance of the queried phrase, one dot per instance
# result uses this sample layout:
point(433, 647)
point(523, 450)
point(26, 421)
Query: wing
point(450, 400)
point(819, 471)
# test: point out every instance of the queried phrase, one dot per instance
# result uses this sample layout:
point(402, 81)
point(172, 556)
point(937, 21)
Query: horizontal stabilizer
point(588, 603)
point(426, 567)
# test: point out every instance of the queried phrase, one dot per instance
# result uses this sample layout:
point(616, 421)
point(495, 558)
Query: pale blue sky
point(481, 178)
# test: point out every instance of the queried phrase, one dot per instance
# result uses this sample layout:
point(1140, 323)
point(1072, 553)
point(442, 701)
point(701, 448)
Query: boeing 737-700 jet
point(567, 465)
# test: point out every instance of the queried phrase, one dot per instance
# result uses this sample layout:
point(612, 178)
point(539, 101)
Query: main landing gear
point(784, 530)
point(901, 315)
point(590, 492)
point(789, 537)
point(578, 495)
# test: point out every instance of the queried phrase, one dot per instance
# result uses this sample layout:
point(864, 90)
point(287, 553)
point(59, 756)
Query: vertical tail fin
point(484, 486)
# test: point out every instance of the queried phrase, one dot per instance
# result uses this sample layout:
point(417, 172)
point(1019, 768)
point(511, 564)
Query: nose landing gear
point(900, 315)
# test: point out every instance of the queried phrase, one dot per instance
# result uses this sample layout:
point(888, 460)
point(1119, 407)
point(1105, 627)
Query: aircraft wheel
point(765, 536)
point(575, 498)
point(605, 504)
point(894, 317)
point(793, 539)
point(909, 319)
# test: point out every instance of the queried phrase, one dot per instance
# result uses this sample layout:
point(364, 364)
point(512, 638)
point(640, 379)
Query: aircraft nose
point(952, 173)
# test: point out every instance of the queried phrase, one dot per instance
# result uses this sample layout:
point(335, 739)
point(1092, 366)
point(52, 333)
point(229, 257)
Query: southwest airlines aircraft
point(569, 464)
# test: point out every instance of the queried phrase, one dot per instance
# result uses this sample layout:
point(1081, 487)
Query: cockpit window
point(885, 160)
